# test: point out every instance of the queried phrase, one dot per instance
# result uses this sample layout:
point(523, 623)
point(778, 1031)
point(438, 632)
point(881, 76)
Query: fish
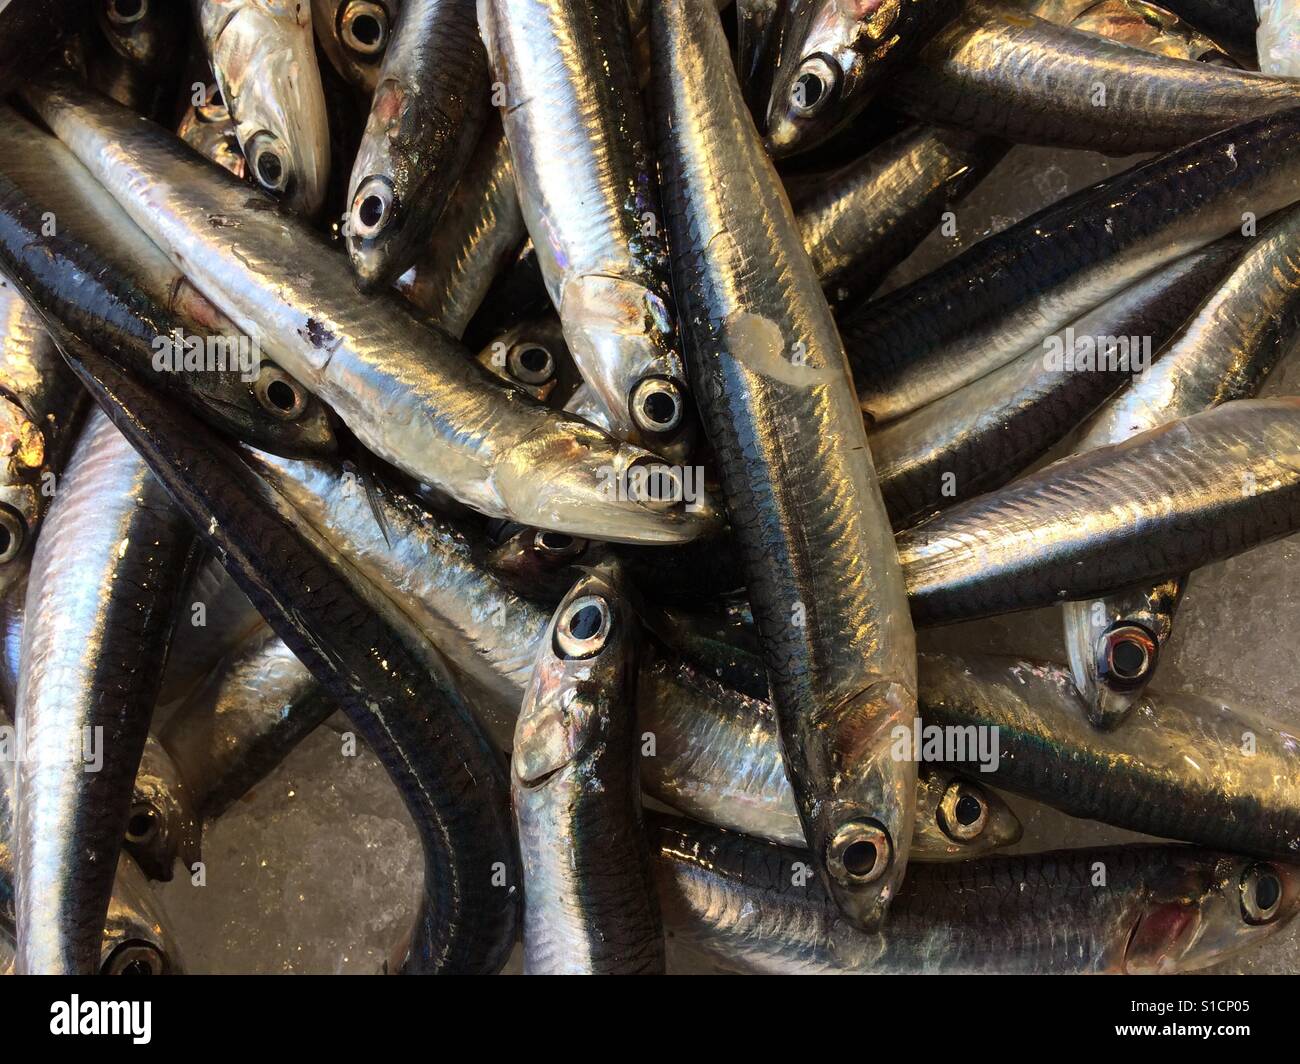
point(40, 406)
point(835, 57)
point(862, 220)
point(1004, 294)
point(208, 128)
point(778, 409)
point(354, 35)
point(431, 104)
point(124, 287)
point(759, 24)
point(1152, 28)
point(1001, 72)
point(133, 57)
point(1158, 504)
point(542, 565)
point(533, 356)
point(264, 59)
point(102, 598)
point(589, 901)
point(1224, 351)
point(1230, 22)
point(479, 232)
point(409, 393)
point(1182, 766)
point(1135, 910)
point(164, 826)
point(984, 434)
point(589, 193)
point(392, 685)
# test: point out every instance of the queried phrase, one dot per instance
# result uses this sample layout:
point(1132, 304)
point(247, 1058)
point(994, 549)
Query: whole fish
point(263, 56)
point(984, 434)
point(479, 232)
point(40, 404)
point(99, 269)
point(354, 35)
point(1172, 499)
point(392, 685)
point(778, 408)
point(208, 128)
point(1003, 295)
point(589, 902)
point(835, 56)
point(998, 71)
point(751, 907)
point(102, 600)
point(1182, 766)
point(133, 57)
point(861, 221)
point(409, 393)
point(587, 186)
point(1223, 352)
point(430, 106)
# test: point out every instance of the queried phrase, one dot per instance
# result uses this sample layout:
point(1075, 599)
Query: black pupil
point(365, 28)
point(1127, 658)
point(269, 168)
point(128, 8)
point(585, 623)
point(810, 89)
point(534, 359)
point(556, 541)
point(140, 825)
point(372, 209)
point(137, 968)
point(1268, 891)
point(281, 395)
point(860, 858)
point(5, 540)
point(968, 810)
point(660, 407)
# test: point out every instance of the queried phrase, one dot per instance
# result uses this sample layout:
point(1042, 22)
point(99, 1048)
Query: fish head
point(533, 356)
point(1206, 906)
point(829, 63)
point(137, 939)
point(162, 827)
point(146, 33)
point(354, 36)
point(585, 669)
point(541, 564)
point(1113, 656)
point(959, 819)
point(287, 419)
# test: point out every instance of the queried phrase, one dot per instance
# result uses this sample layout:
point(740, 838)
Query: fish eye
point(142, 825)
point(372, 207)
point(267, 161)
point(656, 405)
point(1126, 656)
point(135, 958)
point(558, 545)
point(13, 533)
point(963, 812)
point(363, 27)
point(530, 363)
point(814, 85)
point(279, 394)
point(583, 627)
point(1261, 894)
point(859, 852)
point(125, 12)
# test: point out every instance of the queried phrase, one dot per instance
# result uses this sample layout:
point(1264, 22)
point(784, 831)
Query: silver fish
point(354, 35)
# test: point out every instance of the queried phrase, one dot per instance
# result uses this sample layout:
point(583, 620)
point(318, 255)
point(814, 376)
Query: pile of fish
point(532, 381)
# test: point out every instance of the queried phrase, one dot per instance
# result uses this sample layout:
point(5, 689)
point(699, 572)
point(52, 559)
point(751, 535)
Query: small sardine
point(354, 36)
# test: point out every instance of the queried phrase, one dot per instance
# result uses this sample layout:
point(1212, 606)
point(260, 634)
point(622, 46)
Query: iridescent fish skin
point(752, 907)
point(1151, 28)
point(779, 411)
point(589, 902)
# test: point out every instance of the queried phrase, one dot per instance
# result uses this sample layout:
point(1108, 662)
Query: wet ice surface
point(316, 871)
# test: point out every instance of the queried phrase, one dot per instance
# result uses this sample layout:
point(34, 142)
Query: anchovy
point(759, 25)
point(834, 58)
point(752, 907)
point(982, 435)
point(778, 409)
point(133, 56)
point(1224, 351)
point(1152, 28)
point(1001, 72)
point(480, 230)
point(1230, 22)
point(208, 128)
point(390, 683)
point(354, 35)
point(163, 826)
point(589, 194)
point(263, 57)
point(589, 902)
point(100, 270)
point(410, 394)
point(102, 599)
point(1169, 500)
point(1001, 296)
point(532, 355)
point(430, 106)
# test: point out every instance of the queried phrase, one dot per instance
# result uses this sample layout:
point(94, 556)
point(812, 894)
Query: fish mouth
point(1159, 938)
